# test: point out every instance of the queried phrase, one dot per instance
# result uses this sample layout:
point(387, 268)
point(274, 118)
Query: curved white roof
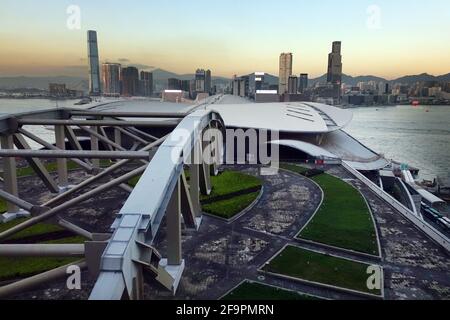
point(292, 117)
point(339, 145)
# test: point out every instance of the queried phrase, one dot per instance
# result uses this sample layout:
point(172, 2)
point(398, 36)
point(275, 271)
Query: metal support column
point(194, 181)
point(36, 164)
point(9, 173)
point(94, 147)
point(174, 227)
point(61, 163)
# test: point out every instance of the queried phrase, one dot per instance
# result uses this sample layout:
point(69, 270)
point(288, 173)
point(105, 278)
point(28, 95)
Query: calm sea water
point(403, 133)
point(419, 136)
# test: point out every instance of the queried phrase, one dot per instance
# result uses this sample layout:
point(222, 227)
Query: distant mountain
point(353, 81)
point(161, 74)
point(349, 80)
point(74, 83)
point(422, 78)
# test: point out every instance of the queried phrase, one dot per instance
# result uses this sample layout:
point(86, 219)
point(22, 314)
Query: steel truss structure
point(118, 260)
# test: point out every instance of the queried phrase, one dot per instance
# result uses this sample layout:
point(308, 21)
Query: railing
point(161, 191)
point(408, 214)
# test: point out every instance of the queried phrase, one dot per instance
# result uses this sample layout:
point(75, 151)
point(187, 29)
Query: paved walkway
point(415, 267)
point(221, 255)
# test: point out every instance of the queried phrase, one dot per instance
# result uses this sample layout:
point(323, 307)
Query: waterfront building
point(111, 79)
point(285, 72)
point(200, 80)
point(146, 84)
point(130, 81)
point(186, 85)
point(303, 82)
point(94, 64)
point(292, 84)
point(174, 84)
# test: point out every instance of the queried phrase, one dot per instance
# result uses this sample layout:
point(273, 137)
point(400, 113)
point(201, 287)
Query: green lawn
point(230, 183)
point(316, 267)
point(53, 167)
point(229, 208)
point(13, 268)
point(343, 220)
point(256, 291)
point(293, 168)
point(37, 229)
point(226, 183)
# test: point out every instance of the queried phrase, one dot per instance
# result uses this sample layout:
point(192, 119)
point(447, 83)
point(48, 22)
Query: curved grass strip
point(229, 182)
point(316, 267)
point(227, 209)
point(252, 291)
point(343, 220)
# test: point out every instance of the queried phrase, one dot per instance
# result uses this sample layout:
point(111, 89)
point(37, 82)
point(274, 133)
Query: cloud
point(142, 66)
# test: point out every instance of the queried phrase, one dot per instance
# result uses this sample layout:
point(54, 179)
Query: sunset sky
point(228, 37)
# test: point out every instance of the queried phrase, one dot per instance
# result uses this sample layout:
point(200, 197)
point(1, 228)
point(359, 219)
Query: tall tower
point(334, 75)
point(285, 72)
point(94, 64)
point(208, 81)
point(200, 80)
point(335, 64)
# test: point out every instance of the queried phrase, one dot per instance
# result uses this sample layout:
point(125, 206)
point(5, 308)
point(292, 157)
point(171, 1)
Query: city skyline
point(152, 39)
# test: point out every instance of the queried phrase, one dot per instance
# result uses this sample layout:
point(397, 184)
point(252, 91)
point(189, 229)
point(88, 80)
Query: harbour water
point(419, 136)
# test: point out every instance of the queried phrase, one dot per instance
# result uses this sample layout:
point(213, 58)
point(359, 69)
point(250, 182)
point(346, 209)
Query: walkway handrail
point(155, 196)
point(431, 232)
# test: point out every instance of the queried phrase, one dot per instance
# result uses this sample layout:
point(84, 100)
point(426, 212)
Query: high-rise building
point(200, 80)
point(94, 64)
point(292, 84)
point(285, 72)
point(111, 79)
point(334, 75)
point(146, 84)
point(130, 81)
point(208, 81)
point(303, 82)
point(186, 85)
point(174, 84)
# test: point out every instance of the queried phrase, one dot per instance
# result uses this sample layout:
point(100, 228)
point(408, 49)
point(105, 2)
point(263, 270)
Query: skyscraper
point(335, 64)
point(174, 84)
point(334, 75)
point(303, 83)
point(130, 81)
point(94, 64)
point(208, 81)
point(146, 84)
point(292, 84)
point(285, 72)
point(200, 80)
point(111, 79)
